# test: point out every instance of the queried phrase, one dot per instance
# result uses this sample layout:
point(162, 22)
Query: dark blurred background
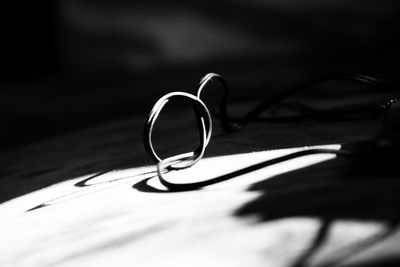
point(71, 64)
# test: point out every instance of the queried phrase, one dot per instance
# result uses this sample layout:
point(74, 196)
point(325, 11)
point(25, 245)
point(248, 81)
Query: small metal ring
point(227, 124)
point(204, 122)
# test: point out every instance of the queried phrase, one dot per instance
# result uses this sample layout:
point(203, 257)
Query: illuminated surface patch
point(102, 220)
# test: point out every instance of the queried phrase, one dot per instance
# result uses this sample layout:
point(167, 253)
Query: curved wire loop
point(204, 122)
point(226, 122)
point(203, 116)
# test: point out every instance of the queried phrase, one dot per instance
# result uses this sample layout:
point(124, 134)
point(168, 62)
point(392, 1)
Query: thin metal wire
point(226, 122)
point(204, 123)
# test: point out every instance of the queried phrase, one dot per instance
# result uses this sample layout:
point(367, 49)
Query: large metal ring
point(204, 122)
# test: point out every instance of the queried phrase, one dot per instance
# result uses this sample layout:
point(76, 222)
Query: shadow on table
point(338, 189)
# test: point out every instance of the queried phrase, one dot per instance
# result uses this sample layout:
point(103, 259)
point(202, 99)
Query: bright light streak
point(108, 222)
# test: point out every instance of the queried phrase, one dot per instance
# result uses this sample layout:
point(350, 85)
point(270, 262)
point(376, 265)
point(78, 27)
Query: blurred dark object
point(71, 64)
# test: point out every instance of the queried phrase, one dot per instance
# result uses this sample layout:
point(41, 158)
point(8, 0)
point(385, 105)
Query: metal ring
point(185, 160)
point(227, 124)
